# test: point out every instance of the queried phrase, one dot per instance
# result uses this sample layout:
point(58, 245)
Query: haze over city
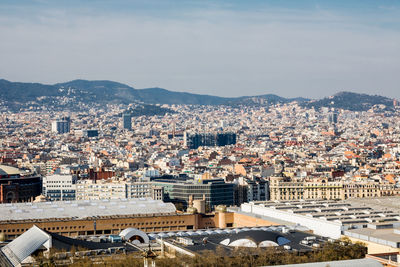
point(200, 133)
point(226, 48)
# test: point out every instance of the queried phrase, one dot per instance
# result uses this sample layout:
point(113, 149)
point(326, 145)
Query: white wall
point(319, 227)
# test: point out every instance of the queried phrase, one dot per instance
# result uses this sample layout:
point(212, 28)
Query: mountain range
point(14, 93)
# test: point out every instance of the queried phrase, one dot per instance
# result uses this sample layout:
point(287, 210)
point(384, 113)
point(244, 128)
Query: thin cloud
point(211, 51)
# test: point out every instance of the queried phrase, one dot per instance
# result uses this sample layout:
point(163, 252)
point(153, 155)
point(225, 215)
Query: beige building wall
point(241, 220)
point(323, 189)
point(285, 188)
point(374, 248)
point(114, 225)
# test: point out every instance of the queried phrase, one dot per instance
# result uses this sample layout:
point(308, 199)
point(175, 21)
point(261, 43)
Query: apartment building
point(284, 188)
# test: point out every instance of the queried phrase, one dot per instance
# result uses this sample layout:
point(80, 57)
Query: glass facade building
point(215, 191)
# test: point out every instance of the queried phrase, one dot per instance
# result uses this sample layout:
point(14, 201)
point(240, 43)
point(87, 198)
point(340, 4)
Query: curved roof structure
point(14, 253)
point(256, 238)
point(128, 233)
point(84, 208)
point(8, 170)
point(24, 245)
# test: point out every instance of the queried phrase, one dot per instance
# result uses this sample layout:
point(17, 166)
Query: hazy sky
point(227, 48)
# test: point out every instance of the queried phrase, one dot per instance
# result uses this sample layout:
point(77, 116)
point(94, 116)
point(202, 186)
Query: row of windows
point(58, 186)
point(45, 228)
point(147, 223)
point(58, 182)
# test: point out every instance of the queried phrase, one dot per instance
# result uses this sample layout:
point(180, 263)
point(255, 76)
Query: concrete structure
point(157, 193)
point(200, 205)
point(143, 189)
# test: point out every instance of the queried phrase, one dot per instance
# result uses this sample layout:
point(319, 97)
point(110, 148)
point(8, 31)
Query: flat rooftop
point(228, 239)
point(84, 208)
point(347, 212)
point(387, 237)
point(381, 203)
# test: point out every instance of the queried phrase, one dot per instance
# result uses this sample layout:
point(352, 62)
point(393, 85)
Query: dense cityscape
point(106, 176)
point(212, 133)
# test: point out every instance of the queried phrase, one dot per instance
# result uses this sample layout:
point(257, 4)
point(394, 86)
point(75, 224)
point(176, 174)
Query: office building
point(127, 121)
point(214, 191)
point(87, 133)
point(193, 141)
point(61, 126)
point(101, 189)
point(59, 187)
point(333, 117)
point(117, 189)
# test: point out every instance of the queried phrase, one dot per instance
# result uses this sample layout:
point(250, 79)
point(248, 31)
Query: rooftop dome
point(8, 170)
point(255, 238)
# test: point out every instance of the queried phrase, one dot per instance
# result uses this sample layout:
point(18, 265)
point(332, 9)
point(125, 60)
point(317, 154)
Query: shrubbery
point(246, 257)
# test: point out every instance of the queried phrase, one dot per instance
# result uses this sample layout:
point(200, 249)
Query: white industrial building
point(325, 218)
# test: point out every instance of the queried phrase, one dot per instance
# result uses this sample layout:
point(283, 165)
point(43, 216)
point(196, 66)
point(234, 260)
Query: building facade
point(61, 126)
point(101, 189)
point(17, 186)
point(193, 141)
point(117, 189)
point(284, 188)
point(127, 121)
point(105, 217)
point(214, 191)
point(59, 187)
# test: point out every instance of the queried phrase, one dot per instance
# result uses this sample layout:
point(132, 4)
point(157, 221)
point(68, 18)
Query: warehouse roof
point(227, 239)
point(84, 208)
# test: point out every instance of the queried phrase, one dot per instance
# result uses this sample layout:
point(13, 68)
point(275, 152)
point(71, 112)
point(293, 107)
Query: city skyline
point(312, 49)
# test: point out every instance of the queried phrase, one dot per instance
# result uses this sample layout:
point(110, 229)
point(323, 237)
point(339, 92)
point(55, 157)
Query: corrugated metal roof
point(24, 245)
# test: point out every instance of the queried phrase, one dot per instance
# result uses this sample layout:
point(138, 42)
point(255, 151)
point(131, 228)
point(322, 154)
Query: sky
point(292, 48)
